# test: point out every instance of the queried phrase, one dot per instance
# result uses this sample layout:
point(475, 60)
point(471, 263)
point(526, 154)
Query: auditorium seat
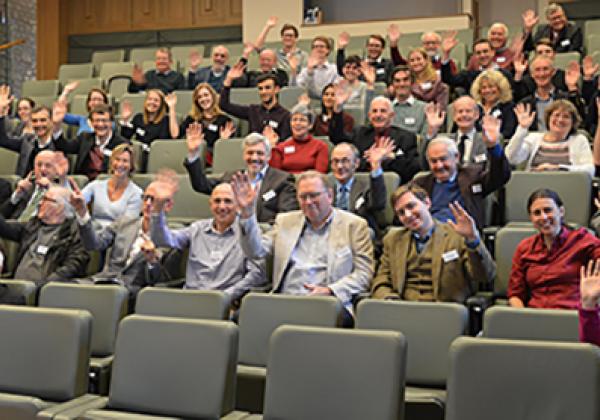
point(139, 55)
point(181, 53)
point(326, 373)
point(8, 162)
point(244, 96)
point(108, 305)
point(46, 100)
point(288, 96)
point(67, 72)
point(109, 70)
point(357, 112)
point(136, 100)
point(260, 315)
point(235, 50)
point(170, 154)
point(195, 304)
point(43, 359)
point(531, 324)
point(168, 368)
point(184, 103)
point(429, 329)
point(562, 60)
point(78, 103)
point(106, 56)
point(40, 88)
point(496, 379)
point(21, 291)
point(228, 155)
point(85, 84)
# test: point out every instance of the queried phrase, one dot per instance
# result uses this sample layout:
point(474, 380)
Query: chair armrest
point(75, 404)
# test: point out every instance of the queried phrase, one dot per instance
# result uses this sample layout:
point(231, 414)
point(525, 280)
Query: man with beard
point(564, 35)
point(214, 74)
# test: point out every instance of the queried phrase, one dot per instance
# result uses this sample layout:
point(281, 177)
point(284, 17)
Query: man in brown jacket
point(428, 260)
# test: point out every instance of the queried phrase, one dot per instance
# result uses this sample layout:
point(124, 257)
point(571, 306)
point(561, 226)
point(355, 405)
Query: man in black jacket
point(565, 36)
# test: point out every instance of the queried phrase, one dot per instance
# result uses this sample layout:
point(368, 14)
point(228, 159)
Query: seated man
point(404, 161)
point(214, 74)
point(469, 185)
point(50, 247)
point(431, 42)
point(275, 188)
point(318, 250)
point(504, 54)
point(133, 261)
point(409, 112)
point(269, 113)
point(216, 260)
point(93, 149)
point(162, 77)
point(427, 260)
point(318, 72)
point(564, 35)
point(374, 48)
point(267, 63)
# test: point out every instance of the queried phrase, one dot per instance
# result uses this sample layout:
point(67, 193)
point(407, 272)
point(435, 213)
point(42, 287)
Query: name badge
point(410, 120)
point(42, 249)
point(481, 158)
point(289, 149)
point(450, 256)
point(216, 255)
point(426, 85)
point(500, 59)
point(359, 202)
point(273, 124)
point(140, 131)
point(380, 71)
point(399, 152)
point(565, 43)
point(213, 127)
point(325, 117)
point(476, 188)
point(269, 195)
point(107, 152)
point(343, 252)
point(497, 113)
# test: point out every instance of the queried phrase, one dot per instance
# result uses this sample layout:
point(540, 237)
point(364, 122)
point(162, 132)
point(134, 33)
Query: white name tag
point(426, 85)
point(410, 120)
point(343, 252)
point(380, 71)
point(399, 152)
point(450, 256)
point(500, 59)
point(476, 188)
point(565, 43)
point(481, 158)
point(497, 113)
point(107, 152)
point(359, 202)
point(289, 149)
point(273, 124)
point(216, 255)
point(213, 127)
point(269, 195)
point(324, 117)
point(42, 249)
point(140, 131)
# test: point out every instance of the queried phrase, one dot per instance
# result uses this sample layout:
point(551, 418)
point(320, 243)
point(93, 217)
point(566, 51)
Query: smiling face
point(413, 213)
point(560, 122)
point(546, 216)
point(497, 36)
point(256, 158)
point(401, 82)
point(121, 164)
point(545, 51)
point(320, 49)
point(380, 114)
point(267, 91)
point(442, 162)
point(219, 56)
point(102, 124)
point(431, 44)
point(315, 199)
point(288, 38)
point(557, 20)
point(416, 62)
point(153, 102)
point(351, 72)
point(489, 91)
point(343, 163)
point(96, 98)
point(42, 123)
point(328, 97)
point(222, 205)
point(465, 113)
point(542, 71)
point(267, 60)
point(162, 61)
point(374, 48)
point(204, 98)
point(44, 165)
point(24, 110)
point(300, 125)
point(484, 53)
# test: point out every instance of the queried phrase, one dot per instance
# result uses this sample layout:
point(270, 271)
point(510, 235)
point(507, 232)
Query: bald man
point(216, 260)
point(267, 64)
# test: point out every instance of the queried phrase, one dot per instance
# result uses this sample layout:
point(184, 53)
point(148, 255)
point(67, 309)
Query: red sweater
point(296, 156)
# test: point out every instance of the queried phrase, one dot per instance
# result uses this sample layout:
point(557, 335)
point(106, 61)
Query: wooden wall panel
point(209, 12)
point(161, 14)
point(92, 16)
point(51, 38)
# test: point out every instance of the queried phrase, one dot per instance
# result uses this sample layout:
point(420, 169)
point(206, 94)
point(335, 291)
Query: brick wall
point(21, 24)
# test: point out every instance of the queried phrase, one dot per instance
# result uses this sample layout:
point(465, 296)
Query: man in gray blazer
point(319, 250)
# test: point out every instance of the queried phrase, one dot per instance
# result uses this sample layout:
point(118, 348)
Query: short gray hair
point(425, 34)
point(552, 8)
point(303, 110)
point(253, 139)
point(446, 141)
point(382, 98)
point(313, 174)
point(498, 25)
point(352, 147)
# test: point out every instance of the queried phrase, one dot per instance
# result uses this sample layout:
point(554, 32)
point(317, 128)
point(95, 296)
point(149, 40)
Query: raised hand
point(271, 135)
point(464, 224)
point(5, 99)
point(24, 185)
point(70, 87)
point(589, 68)
point(137, 75)
point(517, 44)
point(171, 100)
point(449, 41)
point(59, 110)
point(520, 63)
point(342, 93)
point(235, 72)
point(248, 48)
point(384, 149)
point(435, 116)
point(524, 115)
point(194, 59)
point(271, 22)
point(368, 72)
point(163, 193)
point(126, 110)
point(304, 100)
point(227, 130)
point(77, 199)
point(293, 62)
point(394, 34)
point(245, 195)
point(491, 130)
point(194, 137)
point(572, 75)
point(530, 19)
point(148, 248)
point(589, 284)
point(313, 61)
point(343, 40)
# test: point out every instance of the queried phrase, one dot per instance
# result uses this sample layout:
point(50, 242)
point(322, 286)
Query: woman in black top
point(157, 121)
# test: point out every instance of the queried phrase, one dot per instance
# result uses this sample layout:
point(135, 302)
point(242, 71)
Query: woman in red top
point(546, 267)
point(302, 151)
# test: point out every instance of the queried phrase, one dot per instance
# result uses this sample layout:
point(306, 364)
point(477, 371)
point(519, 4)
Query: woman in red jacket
point(302, 151)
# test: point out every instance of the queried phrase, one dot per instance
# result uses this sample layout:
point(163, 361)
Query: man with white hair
point(214, 74)
point(404, 160)
point(565, 36)
point(431, 43)
point(504, 54)
point(267, 64)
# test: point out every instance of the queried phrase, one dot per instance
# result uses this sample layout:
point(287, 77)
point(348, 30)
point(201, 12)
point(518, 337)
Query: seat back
point(261, 313)
point(574, 188)
point(195, 304)
point(562, 60)
point(169, 154)
point(85, 84)
point(8, 161)
point(139, 55)
point(135, 99)
point(108, 69)
point(68, 72)
point(428, 327)
point(506, 242)
point(228, 155)
point(527, 380)
point(530, 324)
point(108, 56)
point(244, 96)
point(181, 54)
point(45, 352)
point(184, 103)
point(19, 288)
point(288, 96)
point(40, 88)
point(189, 204)
point(323, 373)
point(107, 304)
point(174, 367)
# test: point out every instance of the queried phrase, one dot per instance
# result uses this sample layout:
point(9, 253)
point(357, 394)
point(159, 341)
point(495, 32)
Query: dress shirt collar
point(347, 185)
point(470, 134)
point(323, 227)
point(102, 144)
point(451, 180)
point(540, 245)
point(410, 101)
point(423, 238)
point(210, 228)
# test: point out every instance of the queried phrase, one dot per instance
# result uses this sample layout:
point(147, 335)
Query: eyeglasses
point(342, 161)
point(147, 197)
point(311, 196)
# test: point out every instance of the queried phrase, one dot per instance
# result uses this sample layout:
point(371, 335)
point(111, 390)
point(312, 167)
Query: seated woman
point(560, 148)
point(546, 267)
point(589, 311)
point(492, 92)
point(20, 125)
point(329, 105)
point(205, 111)
point(95, 97)
point(118, 195)
point(153, 123)
point(302, 151)
point(427, 85)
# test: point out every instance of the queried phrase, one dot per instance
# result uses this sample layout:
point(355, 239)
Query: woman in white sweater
point(559, 148)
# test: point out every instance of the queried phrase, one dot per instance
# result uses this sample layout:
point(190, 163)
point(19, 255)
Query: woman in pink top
point(302, 151)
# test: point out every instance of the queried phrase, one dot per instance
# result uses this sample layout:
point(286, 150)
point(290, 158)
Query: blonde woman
point(491, 90)
point(157, 121)
point(427, 85)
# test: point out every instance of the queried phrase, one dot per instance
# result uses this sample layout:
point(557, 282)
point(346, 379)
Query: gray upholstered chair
point(429, 329)
point(108, 305)
point(195, 304)
point(329, 373)
point(17, 291)
point(260, 315)
point(496, 379)
point(44, 359)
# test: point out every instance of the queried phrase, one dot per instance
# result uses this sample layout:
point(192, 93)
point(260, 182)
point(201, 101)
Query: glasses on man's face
point(342, 161)
point(146, 197)
point(310, 196)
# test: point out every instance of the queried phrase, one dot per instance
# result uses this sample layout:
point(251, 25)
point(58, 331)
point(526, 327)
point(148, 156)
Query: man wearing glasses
point(318, 250)
point(214, 74)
